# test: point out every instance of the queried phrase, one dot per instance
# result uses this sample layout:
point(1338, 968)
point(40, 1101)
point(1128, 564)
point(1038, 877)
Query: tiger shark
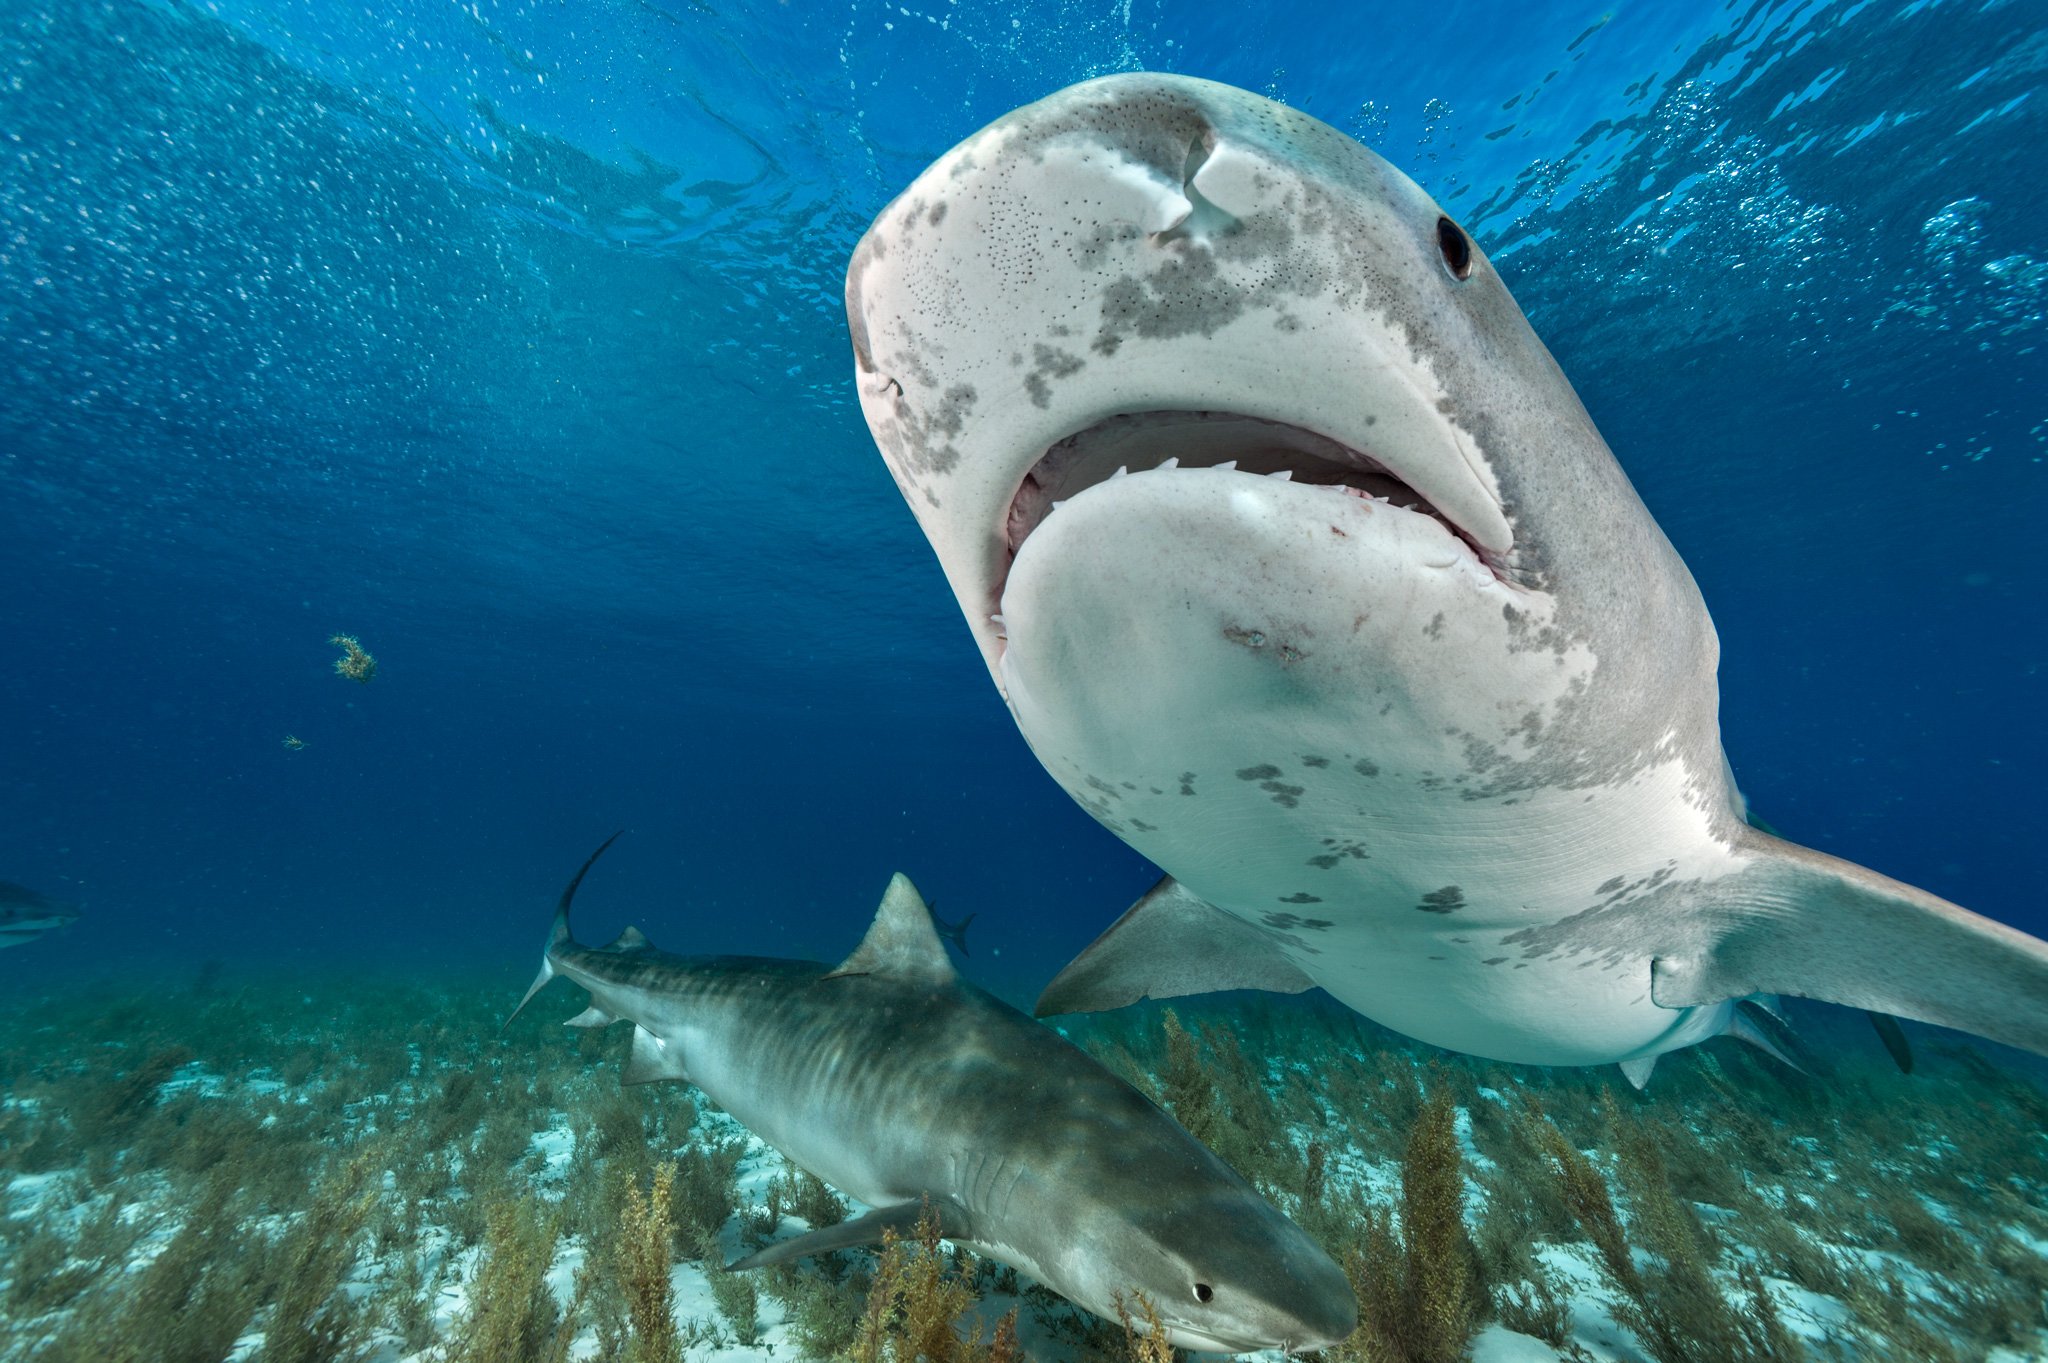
point(898, 1082)
point(1300, 565)
point(27, 914)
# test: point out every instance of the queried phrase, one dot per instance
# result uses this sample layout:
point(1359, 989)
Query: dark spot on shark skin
point(1144, 827)
point(1353, 849)
point(938, 213)
point(1366, 767)
point(1250, 638)
point(1493, 960)
point(1049, 362)
point(1310, 760)
point(1284, 795)
point(1288, 921)
point(925, 441)
point(1435, 628)
point(1609, 886)
point(1301, 897)
point(1187, 783)
point(1447, 900)
point(1263, 772)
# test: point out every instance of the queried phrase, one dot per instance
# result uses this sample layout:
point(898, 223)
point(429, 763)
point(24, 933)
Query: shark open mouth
point(1140, 442)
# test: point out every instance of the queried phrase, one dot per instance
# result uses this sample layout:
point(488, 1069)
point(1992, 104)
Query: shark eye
point(1204, 1292)
point(1457, 248)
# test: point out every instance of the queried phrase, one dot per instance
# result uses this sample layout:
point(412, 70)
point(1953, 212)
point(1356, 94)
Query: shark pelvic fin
point(1805, 923)
point(653, 1059)
point(1168, 944)
point(901, 941)
point(632, 939)
point(1637, 1071)
point(593, 1016)
point(863, 1230)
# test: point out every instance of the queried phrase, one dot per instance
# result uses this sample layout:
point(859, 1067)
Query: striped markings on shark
point(27, 914)
point(905, 1086)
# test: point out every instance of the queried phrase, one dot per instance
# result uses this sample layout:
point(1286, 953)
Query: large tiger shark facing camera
point(1302, 568)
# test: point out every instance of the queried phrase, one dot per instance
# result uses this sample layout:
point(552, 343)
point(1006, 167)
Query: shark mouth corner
point(1162, 441)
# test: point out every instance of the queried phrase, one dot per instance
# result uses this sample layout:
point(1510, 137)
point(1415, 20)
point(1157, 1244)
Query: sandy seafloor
point(337, 1072)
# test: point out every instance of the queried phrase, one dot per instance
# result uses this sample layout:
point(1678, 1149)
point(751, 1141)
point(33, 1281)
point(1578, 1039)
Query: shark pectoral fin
point(863, 1230)
point(1168, 944)
point(1809, 924)
point(653, 1059)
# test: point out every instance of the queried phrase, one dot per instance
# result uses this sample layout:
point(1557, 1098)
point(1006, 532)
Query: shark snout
point(1258, 1282)
point(1318, 1307)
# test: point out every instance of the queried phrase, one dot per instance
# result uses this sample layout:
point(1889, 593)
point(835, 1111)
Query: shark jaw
point(1166, 441)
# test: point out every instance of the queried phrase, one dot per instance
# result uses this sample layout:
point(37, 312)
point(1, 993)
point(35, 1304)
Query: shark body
point(1300, 566)
point(27, 914)
point(905, 1086)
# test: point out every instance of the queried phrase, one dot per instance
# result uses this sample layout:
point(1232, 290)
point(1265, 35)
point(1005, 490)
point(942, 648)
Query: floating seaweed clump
point(355, 663)
point(348, 1170)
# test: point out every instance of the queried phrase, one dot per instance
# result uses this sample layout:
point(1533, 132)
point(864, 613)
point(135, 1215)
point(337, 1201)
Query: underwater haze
point(509, 340)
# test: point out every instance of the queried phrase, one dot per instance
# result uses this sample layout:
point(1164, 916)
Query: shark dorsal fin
point(632, 939)
point(901, 941)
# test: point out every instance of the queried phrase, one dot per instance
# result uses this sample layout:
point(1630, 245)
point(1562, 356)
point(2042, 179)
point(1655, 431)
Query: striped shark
point(1301, 566)
point(903, 1085)
point(27, 914)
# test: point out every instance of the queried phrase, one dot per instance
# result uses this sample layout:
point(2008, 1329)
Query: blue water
point(508, 338)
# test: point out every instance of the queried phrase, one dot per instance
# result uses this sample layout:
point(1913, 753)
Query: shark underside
point(1300, 566)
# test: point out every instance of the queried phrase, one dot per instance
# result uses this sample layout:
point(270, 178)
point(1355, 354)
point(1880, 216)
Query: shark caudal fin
point(956, 933)
point(1168, 944)
point(558, 935)
point(1804, 923)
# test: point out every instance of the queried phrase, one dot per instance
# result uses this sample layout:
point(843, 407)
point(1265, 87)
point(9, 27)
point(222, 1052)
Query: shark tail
point(559, 938)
